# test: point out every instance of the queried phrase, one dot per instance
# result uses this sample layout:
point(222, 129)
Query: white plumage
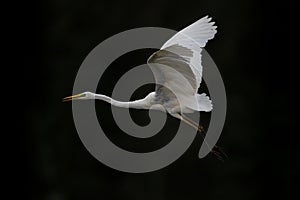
point(178, 73)
point(183, 53)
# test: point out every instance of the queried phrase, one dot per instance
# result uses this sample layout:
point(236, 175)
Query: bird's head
point(81, 96)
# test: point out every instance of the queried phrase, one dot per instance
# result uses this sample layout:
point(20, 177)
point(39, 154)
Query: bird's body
point(178, 73)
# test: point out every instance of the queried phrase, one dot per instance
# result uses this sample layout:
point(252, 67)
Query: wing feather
point(177, 65)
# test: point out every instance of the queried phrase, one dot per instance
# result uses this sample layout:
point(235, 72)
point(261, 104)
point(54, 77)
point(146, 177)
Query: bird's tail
point(216, 150)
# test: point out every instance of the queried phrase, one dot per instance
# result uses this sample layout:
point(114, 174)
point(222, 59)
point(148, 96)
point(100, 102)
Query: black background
point(254, 52)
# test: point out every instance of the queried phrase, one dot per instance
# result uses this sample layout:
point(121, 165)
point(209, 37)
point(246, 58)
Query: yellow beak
point(74, 97)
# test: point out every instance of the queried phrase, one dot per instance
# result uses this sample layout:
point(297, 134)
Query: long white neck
point(138, 104)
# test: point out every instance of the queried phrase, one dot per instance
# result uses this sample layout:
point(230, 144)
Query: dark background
point(253, 50)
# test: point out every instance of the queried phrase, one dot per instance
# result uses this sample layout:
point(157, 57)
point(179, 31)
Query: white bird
point(178, 72)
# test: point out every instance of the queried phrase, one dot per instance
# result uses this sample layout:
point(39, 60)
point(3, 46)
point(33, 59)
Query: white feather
point(187, 44)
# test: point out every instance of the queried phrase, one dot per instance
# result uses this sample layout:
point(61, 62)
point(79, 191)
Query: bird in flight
point(177, 70)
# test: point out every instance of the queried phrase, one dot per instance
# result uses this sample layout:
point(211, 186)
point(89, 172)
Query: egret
point(177, 70)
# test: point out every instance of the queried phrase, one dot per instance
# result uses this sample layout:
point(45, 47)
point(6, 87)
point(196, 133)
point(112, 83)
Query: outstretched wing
point(177, 65)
